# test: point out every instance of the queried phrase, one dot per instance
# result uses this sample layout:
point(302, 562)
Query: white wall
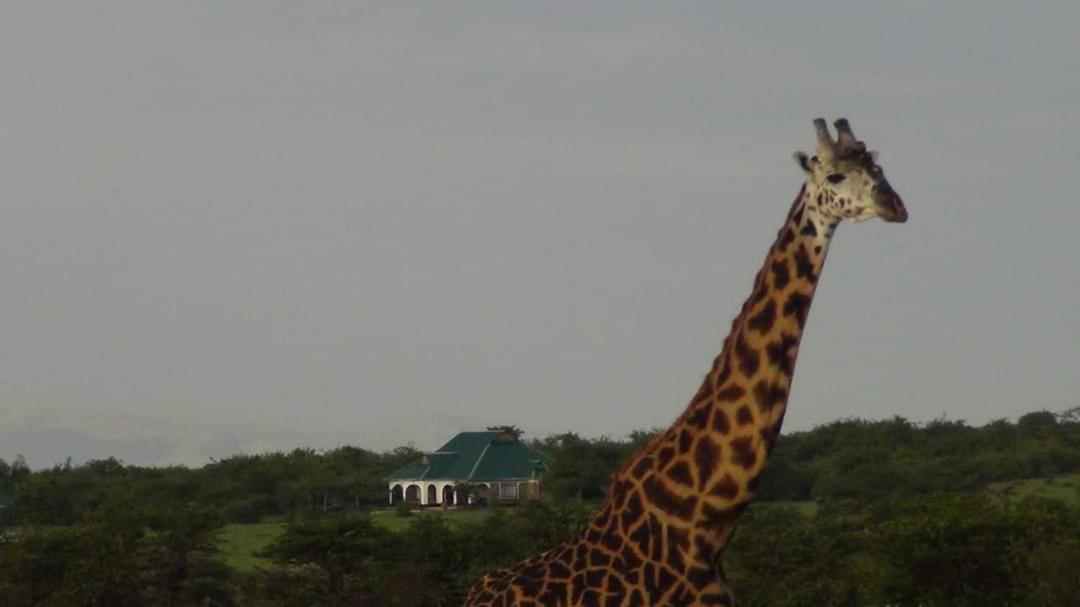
point(439, 487)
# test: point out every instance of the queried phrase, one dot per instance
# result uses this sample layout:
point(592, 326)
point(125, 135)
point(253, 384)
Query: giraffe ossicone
point(673, 506)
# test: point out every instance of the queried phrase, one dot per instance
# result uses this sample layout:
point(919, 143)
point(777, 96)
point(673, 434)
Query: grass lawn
point(390, 520)
point(238, 543)
point(1065, 488)
point(806, 508)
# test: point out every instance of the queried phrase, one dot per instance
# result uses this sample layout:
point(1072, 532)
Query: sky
point(260, 225)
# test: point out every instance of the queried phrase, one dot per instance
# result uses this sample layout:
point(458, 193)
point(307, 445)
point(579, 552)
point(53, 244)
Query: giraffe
point(671, 509)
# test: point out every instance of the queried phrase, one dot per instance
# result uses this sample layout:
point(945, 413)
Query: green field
point(239, 542)
point(1065, 488)
point(807, 507)
point(390, 520)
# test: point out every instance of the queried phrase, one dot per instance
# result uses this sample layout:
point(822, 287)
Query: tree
point(19, 469)
point(948, 549)
point(781, 556)
point(346, 548)
point(583, 468)
point(1036, 424)
point(513, 431)
point(179, 556)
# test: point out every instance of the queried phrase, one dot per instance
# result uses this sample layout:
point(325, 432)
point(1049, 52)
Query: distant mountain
point(46, 437)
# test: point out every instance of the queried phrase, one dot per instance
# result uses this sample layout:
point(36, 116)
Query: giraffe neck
point(704, 469)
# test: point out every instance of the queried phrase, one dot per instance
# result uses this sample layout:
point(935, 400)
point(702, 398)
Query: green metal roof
point(476, 456)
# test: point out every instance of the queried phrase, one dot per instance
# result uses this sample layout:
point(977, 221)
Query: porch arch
point(481, 494)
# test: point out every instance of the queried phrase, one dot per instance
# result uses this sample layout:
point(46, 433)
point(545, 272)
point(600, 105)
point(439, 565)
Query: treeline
point(933, 550)
point(122, 553)
point(130, 555)
point(845, 459)
point(860, 459)
point(242, 488)
point(937, 550)
point(885, 513)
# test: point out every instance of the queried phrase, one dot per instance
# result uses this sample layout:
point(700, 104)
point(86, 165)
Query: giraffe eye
point(835, 178)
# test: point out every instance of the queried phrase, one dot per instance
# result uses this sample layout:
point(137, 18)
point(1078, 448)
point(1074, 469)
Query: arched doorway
point(448, 495)
point(432, 495)
point(480, 495)
point(397, 495)
point(412, 494)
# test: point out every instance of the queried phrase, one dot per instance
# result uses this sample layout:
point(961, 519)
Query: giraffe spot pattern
point(797, 305)
point(768, 395)
point(642, 466)
point(771, 433)
point(725, 488)
point(706, 456)
point(724, 372)
point(686, 438)
point(780, 353)
point(786, 239)
point(699, 417)
point(749, 359)
point(743, 417)
point(780, 273)
point(664, 456)
point(668, 501)
point(762, 322)
point(679, 472)
point(720, 424)
point(730, 393)
point(742, 452)
point(804, 266)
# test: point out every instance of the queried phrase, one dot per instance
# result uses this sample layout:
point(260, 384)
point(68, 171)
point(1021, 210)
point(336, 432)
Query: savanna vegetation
point(854, 512)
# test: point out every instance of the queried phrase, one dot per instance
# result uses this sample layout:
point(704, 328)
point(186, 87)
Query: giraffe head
point(845, 180)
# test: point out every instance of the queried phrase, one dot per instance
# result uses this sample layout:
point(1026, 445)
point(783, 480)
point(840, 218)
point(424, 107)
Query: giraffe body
point(673, 506)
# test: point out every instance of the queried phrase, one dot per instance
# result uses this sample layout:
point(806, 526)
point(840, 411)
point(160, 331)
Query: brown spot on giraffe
point(798, 305)
point(748, 357)
point(781, 276)
point(763, 320)
point(674, 505)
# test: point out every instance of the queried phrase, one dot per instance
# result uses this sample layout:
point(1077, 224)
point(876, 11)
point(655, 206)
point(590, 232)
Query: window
point(508, 490)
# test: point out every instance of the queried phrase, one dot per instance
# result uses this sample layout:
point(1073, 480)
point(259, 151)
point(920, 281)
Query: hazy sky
point(253, 225)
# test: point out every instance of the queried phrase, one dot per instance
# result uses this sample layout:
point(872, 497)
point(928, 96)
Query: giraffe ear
point(803, 160)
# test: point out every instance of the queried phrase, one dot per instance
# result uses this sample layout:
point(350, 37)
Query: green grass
point(238, 543)
point(389, 519)
point(806, 508)
point(1065, 488)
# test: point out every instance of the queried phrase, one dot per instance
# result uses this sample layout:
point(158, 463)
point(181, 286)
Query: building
point(493, 465)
